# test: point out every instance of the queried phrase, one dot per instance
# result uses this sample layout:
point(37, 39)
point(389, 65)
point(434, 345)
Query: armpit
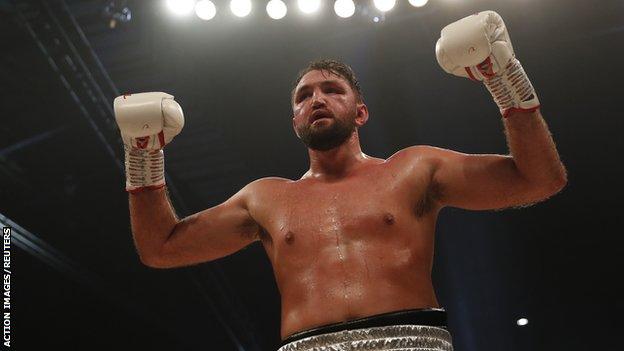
point(263, 235)
point(251, 230)
point(429, 199)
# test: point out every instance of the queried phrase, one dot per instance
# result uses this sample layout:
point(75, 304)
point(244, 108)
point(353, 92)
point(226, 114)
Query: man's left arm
point(534, 152)
point(531, 173)
point(478, 47)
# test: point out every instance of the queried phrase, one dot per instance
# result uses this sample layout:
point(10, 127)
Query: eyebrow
point(323, 83)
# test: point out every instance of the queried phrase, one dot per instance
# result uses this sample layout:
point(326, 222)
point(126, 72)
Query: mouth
point(320, 114)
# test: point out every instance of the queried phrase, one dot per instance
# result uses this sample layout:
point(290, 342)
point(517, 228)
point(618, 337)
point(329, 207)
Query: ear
point(361, 116)
point(293, 126)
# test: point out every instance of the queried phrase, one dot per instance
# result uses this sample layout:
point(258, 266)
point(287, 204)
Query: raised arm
point(148, 122)
point(478, 47)
point(164, 241)
point(532, 173)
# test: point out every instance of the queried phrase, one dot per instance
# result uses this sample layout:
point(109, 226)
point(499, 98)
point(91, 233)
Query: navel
point(388, 218)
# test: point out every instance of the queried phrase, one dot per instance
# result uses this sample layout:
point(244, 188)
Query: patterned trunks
point(410, 330)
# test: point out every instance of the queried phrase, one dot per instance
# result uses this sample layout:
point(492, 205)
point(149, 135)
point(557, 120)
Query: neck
point(338, 161)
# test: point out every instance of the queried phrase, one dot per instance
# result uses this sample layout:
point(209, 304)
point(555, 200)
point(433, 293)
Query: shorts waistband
point(433, 317)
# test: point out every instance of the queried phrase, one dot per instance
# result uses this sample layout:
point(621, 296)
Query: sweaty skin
point(352, 247)
point(354, 236)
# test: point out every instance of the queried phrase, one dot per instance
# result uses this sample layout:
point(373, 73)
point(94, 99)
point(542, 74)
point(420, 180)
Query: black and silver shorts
point(409, 330)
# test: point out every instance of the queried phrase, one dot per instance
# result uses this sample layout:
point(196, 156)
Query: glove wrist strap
point(512, 90)
point(145, 169)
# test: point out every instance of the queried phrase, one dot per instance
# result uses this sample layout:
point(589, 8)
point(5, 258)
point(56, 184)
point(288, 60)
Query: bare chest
point(325, 211)
point(375, 209)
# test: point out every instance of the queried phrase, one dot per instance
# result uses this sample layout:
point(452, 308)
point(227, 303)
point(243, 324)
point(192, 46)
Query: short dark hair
point(336, 67)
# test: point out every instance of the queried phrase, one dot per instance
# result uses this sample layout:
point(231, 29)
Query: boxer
point(351, 241)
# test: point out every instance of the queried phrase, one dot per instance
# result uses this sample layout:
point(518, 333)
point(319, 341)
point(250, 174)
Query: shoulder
point(420, 154)
point(269, 181)
point(259, 196)
point(264, 184)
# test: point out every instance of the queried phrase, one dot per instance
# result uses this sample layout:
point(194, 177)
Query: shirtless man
point(351, 241)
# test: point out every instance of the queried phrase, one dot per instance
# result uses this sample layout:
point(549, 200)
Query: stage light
point(522, 322)
point(309, 6)
point(276, 9)
point(117, 11)
point(418, 3)
point(181, 7)
point(384, 5)
point(344, 8)
point(205, 10)
point(240, 8)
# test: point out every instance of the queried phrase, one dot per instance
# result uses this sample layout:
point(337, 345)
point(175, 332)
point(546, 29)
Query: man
point(351, 241)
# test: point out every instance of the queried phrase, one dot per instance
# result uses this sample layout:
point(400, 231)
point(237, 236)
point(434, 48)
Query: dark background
point(77, 282)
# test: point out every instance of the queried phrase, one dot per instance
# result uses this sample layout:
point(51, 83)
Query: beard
point(323, 138)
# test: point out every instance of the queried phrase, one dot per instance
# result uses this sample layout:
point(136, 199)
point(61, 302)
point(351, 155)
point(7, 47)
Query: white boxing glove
point(478, 47)
point(148, 122)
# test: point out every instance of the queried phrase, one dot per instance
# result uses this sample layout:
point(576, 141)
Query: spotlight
point(117, 11)
point(309, 6)
point(522, 322)
point(205, 10)
point(181, 7)
point(276, 9)
point(384, 5)
point(240, 8)
point(418, 3)
point(344, 8)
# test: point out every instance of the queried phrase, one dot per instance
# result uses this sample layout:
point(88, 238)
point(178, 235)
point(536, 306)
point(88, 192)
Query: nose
point(318, 100)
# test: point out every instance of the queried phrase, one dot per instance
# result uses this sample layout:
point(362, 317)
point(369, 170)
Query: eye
point(302, 97)
point(333, 90)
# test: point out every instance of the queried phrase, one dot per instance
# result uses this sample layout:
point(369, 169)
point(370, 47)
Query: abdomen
point(355, 279)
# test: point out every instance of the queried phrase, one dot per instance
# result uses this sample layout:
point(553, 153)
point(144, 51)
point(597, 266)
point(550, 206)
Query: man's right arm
point(148, 122)
point(164, 241)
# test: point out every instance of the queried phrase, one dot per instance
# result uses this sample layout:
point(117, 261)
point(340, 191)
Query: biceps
point(210, 234)
point(481, 182)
